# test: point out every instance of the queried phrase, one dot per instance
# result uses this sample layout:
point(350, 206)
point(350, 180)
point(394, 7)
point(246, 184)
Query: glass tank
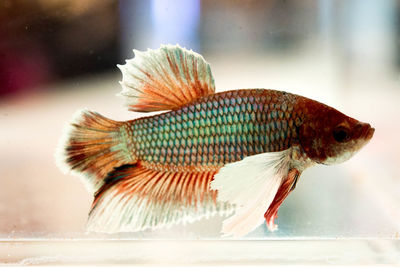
point(58, 57)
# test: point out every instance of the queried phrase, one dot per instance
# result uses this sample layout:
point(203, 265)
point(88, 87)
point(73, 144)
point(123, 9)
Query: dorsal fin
point(164, 79)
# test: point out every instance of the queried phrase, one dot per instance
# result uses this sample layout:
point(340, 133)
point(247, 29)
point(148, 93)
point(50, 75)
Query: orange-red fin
point(92, 146)
point(134, 198)
point(285, 188)
point(164, 79)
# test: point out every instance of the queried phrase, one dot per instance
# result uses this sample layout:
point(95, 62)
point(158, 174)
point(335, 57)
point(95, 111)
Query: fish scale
point(216, 130)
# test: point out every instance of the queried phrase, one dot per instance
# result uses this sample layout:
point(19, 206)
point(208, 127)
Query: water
point(343, 54)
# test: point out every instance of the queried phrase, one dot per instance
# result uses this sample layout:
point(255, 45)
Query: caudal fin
point(92, 145)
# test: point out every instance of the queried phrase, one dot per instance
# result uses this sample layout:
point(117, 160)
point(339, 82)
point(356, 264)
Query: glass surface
point(61, 56)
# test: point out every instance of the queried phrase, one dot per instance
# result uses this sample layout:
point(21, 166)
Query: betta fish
point(236, 153)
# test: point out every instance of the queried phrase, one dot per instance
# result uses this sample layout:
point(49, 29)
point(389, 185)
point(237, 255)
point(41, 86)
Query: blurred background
point(60, 56)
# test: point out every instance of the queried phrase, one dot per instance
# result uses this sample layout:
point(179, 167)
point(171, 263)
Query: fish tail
point(93, 145)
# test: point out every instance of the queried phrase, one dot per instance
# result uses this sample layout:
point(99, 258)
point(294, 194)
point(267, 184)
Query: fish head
point(328, 136)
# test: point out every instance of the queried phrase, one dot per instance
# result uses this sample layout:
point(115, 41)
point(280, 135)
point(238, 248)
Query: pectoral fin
point(255, 185)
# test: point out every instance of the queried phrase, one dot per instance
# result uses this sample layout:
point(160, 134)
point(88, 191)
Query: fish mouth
point(368, 131)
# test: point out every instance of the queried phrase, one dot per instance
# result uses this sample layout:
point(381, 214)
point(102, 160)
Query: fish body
point(216, 130)
point(237, 152)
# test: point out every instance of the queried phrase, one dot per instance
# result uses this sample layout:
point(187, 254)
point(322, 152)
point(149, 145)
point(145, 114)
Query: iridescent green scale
point(216, 129)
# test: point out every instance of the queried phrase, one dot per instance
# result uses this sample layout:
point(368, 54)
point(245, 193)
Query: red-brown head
point(327, 135)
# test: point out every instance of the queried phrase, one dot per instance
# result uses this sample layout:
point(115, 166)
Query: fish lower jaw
point(339, 159)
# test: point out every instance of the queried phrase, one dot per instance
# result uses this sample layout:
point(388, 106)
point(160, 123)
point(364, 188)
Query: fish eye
point(341, 134)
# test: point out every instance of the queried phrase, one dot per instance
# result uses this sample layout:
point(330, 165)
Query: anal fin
point(135, 198)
